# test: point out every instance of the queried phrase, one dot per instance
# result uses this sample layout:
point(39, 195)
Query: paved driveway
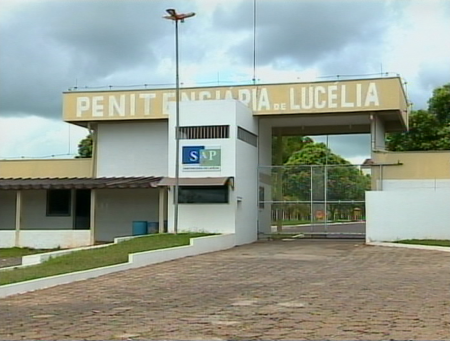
point(344, 228)
point(320, 289)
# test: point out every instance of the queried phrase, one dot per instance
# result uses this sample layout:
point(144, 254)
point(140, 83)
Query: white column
point(162, 208)
point(18, 217)
point(377, 132)
point(92, 216)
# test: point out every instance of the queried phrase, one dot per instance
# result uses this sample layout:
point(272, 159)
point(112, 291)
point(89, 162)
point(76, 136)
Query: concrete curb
point(411, 246)
point(42, 257)
point(197, 246)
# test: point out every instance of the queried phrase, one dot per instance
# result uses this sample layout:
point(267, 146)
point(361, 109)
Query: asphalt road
point(345, 228)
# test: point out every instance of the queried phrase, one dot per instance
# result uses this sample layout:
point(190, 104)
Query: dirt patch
point(11, 261)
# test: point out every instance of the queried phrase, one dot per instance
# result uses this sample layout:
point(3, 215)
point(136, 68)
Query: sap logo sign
point(201, 155)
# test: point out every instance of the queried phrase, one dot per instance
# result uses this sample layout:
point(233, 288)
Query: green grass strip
point(96, 258)
point(430, 242)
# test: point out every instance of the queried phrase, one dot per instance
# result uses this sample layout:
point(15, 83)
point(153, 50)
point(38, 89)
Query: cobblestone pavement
point(318, 289)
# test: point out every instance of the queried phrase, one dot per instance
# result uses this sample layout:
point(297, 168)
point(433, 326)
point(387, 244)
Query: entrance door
point(82, 209)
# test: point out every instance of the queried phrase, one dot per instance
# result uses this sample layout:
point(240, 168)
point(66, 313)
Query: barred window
point(247, 136)
point(204, 132)
point(58, 202)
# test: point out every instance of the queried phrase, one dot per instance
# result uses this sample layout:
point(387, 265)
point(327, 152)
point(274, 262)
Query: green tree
point(344, 182)
point(425, 132)
point(85, 147)
point(428, 129)
point(290, 145)
point(439, 103)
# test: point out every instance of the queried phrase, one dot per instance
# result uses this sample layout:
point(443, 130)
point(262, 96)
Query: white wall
point(239, 160)
point(204, 113)
point(132, 149)
point(214, 218)
point(7, 239)
point(7, 210)
point(118, 208)
point(53, 239)
point(45, 239)
point(217, 218)
point(415, 184)
point(414, 214)
point(246, 181)
point(34, 213)
point(264, 163)
point(246, 190)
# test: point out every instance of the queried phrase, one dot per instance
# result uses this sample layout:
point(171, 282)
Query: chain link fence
point(317, 198)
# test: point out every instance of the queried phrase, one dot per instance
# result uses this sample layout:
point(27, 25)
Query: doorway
point(82, 209)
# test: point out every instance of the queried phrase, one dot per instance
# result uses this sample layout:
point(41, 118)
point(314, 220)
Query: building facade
point(225, 143)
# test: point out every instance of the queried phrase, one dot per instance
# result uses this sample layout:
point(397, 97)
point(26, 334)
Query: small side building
point(410, 197)
point(130, 181)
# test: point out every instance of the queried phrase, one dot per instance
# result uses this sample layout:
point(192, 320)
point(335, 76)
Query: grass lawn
point(96, 258)
point(13, 252)
point(431, 242)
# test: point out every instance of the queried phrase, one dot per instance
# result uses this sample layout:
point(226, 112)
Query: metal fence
point(317, 198)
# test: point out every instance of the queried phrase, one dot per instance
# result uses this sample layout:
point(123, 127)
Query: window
point(58, 202)
point(203, 194)
point(204, 132)
point(246, 136)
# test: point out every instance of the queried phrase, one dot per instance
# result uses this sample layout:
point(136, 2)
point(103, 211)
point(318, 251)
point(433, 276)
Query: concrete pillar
point(92, 217)
point(279, 185)
point(18, 217)
point(162, 207)
point(377, 132)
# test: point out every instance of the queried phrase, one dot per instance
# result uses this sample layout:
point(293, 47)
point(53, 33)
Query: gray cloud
point(430, 77)
point(48, 46)
point(303, 32)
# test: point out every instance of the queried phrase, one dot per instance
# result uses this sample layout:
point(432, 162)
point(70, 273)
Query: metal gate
point(314, 200)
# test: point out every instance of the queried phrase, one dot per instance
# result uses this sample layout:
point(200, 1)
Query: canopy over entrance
point(343, 106)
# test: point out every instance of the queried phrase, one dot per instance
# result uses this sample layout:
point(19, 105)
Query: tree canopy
point(85, 147)
point(428, 129)
point(290, 145)
point(439, 103)
point(344, 181)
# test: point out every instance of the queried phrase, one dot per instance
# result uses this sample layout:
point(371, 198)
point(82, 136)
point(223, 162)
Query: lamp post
point(176, 17)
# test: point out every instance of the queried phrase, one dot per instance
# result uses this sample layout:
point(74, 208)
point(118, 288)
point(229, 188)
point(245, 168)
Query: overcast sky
point(47, 47)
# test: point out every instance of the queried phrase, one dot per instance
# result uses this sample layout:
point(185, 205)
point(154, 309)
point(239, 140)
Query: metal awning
point(78, 183)
point(211, 181)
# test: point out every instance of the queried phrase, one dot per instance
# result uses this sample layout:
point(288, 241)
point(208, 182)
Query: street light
point(176, 17)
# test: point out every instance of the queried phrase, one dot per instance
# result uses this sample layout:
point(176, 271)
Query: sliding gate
point(316, 200)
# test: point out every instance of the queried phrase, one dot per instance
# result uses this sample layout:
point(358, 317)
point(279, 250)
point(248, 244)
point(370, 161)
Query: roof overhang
point(79, 183)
